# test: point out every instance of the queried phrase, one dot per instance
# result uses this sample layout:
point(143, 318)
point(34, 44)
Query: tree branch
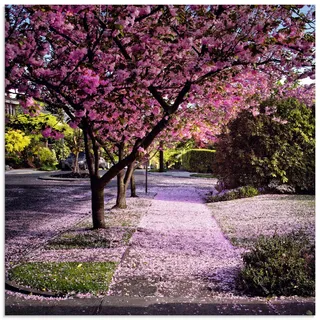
point(122, 48)
point(180, 97)
point(158, 97)
point(158, 8)
point(63, 35)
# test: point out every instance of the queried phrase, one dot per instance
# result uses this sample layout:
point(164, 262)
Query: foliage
point(172, 158)
point(198, 160)
point(61, 149)
point(242, 192)
point(280, 265)
point(65, 277)
point(258, 148)
point(173, 153)
point(16, 141)
point(36, 129)
point(43, 124)
point(46, 157)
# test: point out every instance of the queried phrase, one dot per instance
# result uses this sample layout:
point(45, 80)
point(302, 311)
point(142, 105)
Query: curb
point(12, 286)
point(62, 179)
point(120, 305)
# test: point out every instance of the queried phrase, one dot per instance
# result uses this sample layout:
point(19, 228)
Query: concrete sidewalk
point(159, 306)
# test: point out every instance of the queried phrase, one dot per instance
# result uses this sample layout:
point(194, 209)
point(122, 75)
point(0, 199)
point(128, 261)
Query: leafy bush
point(198, 160)
point(16, 141)
point(47, 158)
point(242, 192)
point(14, 161)
point(247, 191)
point(280, 265)
point(172, 158)
point(258, 149)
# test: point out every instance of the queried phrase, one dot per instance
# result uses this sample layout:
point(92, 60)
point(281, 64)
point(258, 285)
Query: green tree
point(275, 142)
point(33, 128)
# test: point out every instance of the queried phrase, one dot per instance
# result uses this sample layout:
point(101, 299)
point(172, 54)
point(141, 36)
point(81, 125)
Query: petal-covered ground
point(243, 220)
point(178, 250)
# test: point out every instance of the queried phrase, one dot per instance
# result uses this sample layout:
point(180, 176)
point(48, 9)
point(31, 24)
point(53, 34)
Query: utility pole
point(161, 164)
point(147, 164)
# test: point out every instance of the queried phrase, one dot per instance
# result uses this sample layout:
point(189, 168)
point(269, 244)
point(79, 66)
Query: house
point(11, 104)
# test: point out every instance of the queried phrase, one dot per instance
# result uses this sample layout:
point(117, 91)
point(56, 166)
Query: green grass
point(88, 239)
point(79, 241)
point(202, 175)
point(65, 277)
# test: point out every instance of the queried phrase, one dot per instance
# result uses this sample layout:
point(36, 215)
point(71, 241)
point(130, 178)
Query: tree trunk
point(97, 191)
point(121, 191)
point(133, 186)
point(121, 186)
point(76, 168)
point(161, 161)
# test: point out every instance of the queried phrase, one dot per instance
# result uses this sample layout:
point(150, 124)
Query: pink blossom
point(46, 132)
point(80, 113)
point(255, 112)
point(73, 124)
point(142, 150)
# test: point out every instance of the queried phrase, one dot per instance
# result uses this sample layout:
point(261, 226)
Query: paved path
point(178, 251)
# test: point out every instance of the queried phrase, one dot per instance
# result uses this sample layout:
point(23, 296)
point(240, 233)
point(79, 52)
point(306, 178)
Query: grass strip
point(202, 175)
point(65, 277)
point(89, 239)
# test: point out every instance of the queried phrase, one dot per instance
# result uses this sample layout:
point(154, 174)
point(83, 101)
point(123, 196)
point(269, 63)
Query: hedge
point(198, 160)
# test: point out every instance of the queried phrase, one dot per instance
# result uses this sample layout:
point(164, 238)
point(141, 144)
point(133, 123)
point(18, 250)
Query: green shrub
point(47, 158)
point(198, 160)
point(258, 149)
point(242, 192)
point(280, 265)
point(248, 191)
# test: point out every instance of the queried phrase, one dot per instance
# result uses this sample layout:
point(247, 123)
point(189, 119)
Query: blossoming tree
point(124, 74)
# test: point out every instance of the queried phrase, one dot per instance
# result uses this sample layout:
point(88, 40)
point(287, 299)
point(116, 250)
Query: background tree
point(36, 129)
point(124, 73)
point(276, 141)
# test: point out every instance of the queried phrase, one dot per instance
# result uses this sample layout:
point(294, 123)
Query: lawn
point(65, 277)
point(243, 220)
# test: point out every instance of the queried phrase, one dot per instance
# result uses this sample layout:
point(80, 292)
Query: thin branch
point(111, 157)
point(158, 8)
point(122, 48)
point(63, 35)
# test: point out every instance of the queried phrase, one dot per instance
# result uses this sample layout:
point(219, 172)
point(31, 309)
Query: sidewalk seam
point(99, 308)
